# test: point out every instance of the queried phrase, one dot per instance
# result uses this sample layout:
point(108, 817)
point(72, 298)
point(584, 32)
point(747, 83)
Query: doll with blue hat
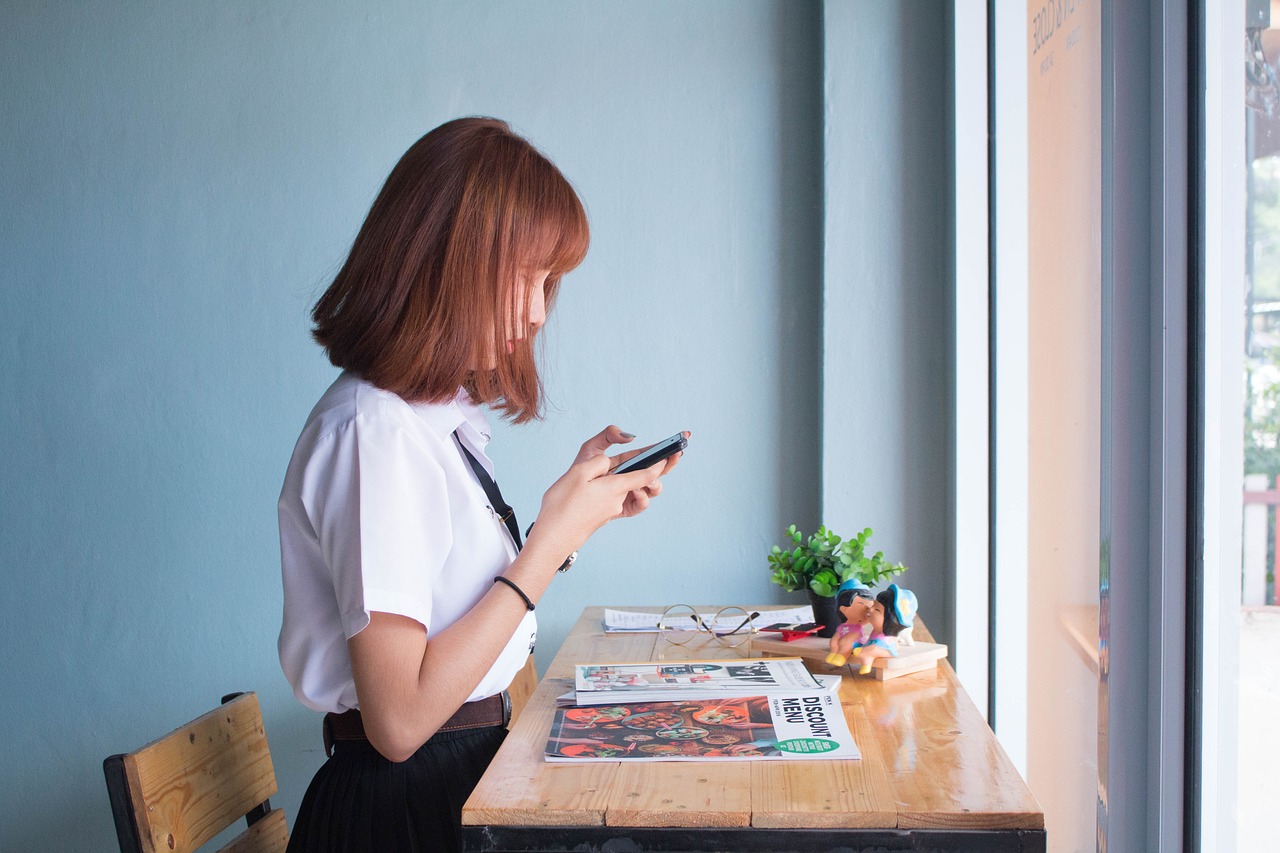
point(873, 627)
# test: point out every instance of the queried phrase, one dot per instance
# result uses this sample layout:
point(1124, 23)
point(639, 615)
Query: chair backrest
point(176, 793)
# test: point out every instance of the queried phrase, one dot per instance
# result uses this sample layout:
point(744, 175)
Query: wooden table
point(932, 777)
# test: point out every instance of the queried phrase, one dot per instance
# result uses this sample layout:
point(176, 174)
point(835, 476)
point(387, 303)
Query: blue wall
point(887, 409)
point(180, 183)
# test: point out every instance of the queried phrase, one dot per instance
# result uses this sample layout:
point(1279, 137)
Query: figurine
point(854, 601)
point(872, 629)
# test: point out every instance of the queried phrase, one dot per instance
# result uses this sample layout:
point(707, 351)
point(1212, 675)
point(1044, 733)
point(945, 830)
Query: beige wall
point(1064, 352)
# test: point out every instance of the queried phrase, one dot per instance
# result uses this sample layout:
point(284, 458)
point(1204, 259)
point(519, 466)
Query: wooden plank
point(824, 794)
point(526, 790)
point(680, 794)
point(711, 794)
point(196, 781)
point(268, 835)
point(945, 767)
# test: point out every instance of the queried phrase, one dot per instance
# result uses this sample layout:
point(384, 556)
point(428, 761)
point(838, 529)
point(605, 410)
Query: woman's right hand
point(587, 497)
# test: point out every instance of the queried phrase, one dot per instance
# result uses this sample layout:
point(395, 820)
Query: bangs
point(556, 237)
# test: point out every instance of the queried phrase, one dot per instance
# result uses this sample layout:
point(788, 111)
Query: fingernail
point(626, 434)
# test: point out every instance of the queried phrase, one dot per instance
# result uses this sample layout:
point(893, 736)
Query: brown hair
point(426, 294)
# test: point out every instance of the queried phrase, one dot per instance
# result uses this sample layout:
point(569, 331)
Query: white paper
point(622, 621)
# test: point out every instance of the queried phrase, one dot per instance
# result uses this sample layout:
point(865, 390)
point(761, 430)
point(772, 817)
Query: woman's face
point(529, 294)
point(525, 312)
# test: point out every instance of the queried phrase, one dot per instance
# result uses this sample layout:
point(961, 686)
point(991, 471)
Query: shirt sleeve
point(380, 510)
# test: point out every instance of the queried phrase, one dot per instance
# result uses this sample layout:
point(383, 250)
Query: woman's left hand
point(637, 501)
point(588, 496)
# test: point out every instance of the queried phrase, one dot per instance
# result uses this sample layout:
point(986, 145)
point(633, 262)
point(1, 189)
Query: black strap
point(491, 491)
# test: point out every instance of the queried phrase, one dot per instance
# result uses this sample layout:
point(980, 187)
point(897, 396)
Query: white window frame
point(1223, 428)
point(971, 526)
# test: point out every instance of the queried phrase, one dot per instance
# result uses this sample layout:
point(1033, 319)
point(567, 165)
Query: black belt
point(481, 714)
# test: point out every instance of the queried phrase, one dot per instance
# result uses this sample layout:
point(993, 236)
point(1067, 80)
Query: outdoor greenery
point(822, 561)
point(1262, 360)
point(1265, 228)
point(1262, 416)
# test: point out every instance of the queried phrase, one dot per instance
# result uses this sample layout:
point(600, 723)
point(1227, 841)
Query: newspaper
point(793, 726)
point(685, 680)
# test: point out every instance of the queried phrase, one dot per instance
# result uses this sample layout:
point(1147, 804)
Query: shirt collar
point(461, 411)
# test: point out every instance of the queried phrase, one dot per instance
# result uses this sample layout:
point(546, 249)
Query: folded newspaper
point(793, 726)
point(683, 680)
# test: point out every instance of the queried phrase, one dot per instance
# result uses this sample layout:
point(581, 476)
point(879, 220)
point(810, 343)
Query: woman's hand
point(587, 497)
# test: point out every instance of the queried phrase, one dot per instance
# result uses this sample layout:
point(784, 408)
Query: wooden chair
point(176, 793)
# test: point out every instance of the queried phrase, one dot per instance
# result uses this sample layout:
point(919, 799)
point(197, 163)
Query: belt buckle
point(506, 709)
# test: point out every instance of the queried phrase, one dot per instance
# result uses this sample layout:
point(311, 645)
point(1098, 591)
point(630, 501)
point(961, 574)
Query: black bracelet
point(519, 591)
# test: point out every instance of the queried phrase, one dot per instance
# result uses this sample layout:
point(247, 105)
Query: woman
point(408, 599)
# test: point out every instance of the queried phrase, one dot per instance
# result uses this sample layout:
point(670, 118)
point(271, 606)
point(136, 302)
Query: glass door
point(1258, 643)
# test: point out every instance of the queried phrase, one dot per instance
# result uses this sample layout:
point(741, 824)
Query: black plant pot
point(825, 613)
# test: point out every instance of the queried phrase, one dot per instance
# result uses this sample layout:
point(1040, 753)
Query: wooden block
point(914, 658)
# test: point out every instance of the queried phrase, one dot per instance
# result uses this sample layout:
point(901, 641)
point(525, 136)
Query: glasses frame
point(741, 633)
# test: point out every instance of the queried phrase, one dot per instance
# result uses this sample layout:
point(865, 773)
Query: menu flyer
point(796, 726)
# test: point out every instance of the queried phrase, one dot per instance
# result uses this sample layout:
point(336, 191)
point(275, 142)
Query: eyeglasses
point(728, 626)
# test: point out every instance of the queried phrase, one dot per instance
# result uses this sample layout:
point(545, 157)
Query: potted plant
point(819, 563)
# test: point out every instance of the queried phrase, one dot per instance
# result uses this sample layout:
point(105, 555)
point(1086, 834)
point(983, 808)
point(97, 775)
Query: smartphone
point(795, 627)
point(654, 454)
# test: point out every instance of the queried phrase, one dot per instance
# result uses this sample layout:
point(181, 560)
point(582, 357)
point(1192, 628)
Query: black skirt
point(360, 801)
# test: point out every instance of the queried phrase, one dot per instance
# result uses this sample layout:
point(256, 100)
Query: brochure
point(675, 681)
point(793, 726)
point(631, 621)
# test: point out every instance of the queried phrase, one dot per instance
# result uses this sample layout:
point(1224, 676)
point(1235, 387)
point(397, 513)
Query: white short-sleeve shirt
point(381, 511)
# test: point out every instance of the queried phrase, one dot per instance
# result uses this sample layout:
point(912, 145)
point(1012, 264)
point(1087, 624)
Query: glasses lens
point(679, 624)
point(733, 626)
